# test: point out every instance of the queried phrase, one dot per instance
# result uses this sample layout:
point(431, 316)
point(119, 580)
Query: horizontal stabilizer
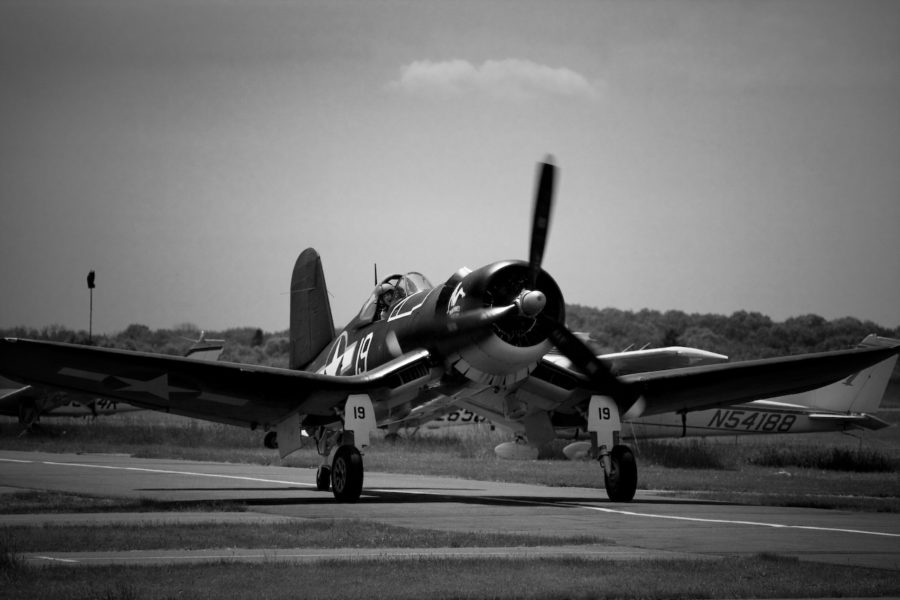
point(861, 420)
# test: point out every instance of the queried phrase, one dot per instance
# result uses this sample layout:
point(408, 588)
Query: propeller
point(529, 305)
point(531, 301)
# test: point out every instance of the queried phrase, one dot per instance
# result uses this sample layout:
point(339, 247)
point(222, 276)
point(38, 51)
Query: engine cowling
point(515, 343)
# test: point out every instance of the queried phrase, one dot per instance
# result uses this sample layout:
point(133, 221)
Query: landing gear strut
point(342, 467)
point(323, 478)
point(619, 466)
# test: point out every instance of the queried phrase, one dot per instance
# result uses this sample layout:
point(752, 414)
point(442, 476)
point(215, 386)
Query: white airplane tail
point(869, 384)
point(862, 392)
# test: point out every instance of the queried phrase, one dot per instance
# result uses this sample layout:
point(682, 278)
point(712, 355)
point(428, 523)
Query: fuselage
point(471, 326)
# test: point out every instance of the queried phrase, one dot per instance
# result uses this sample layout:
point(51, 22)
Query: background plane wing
point(231, 393)
point(11, 394)
point(696, 388)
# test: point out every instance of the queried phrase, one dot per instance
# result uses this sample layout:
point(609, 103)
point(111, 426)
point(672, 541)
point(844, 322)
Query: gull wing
point(231, 393)
point(557, 387)
point(697, 388)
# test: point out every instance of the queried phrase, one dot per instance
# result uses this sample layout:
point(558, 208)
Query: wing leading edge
point(696, 388)
point(709, 386)
point(231, 393)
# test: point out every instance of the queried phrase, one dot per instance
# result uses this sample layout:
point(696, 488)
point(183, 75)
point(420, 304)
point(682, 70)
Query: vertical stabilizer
point(878, 375)
point(312, 326)
point(860, 392)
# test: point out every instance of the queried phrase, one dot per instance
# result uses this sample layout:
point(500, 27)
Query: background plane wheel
point(621, 483)
point(323, 478)
point(347, 474)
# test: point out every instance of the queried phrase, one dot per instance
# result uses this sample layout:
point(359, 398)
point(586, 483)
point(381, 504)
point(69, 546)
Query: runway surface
point(653, 526)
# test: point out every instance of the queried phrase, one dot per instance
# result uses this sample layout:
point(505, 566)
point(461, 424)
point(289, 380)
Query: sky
point(714, 156)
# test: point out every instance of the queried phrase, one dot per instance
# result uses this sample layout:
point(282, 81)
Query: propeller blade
point(584, 360)
point(540, 223)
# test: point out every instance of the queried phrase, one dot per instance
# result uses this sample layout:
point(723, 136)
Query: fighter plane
point(482, 335)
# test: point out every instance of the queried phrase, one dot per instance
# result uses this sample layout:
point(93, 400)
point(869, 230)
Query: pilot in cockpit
point(389, 294)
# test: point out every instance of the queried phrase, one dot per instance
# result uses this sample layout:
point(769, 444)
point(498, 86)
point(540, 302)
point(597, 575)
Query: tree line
point(742, 335)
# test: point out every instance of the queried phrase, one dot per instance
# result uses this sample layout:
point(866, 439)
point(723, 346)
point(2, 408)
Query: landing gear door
point(359, 417)
point(290, 435)
point(604, 421)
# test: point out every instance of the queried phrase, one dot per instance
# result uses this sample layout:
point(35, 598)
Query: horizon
point(189, 326)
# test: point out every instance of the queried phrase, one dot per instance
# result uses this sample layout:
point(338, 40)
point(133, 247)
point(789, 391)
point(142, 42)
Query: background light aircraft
point(29, 403)
point(843, 406)
point(482, 336)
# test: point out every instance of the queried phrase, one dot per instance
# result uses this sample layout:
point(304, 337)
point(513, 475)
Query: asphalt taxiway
point(652, 526)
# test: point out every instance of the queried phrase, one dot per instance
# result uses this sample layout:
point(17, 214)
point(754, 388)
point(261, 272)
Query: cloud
point(505, 78)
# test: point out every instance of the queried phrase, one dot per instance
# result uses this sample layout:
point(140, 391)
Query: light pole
point(90, 282)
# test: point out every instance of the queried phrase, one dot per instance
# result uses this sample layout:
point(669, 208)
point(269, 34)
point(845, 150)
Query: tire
point(621, 482)
point(323, 478)
point(347, 474)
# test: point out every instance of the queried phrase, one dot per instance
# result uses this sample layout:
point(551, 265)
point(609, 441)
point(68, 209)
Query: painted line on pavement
point(54, 559)
point(585, 506)
point(735, 522)
point(170, 472)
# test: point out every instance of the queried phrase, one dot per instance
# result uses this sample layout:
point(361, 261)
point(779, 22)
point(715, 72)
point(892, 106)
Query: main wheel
point(323, 478)
point(347, 474)
point(621, 481)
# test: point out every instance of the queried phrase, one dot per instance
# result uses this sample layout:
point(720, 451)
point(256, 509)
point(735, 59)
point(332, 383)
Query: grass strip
point(324, 533)
point(38, 501)
point(764, 576)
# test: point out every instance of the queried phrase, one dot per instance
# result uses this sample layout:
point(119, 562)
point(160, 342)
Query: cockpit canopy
point(391, 290)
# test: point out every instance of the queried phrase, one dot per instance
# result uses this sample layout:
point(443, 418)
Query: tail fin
point(879, 375)
point(862, 391)
point(312, 326)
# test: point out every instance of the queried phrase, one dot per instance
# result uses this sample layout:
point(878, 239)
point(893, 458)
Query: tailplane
point(312, 326)
point(205, 349)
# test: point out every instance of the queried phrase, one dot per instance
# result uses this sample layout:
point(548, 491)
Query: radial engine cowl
point(516, 342)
